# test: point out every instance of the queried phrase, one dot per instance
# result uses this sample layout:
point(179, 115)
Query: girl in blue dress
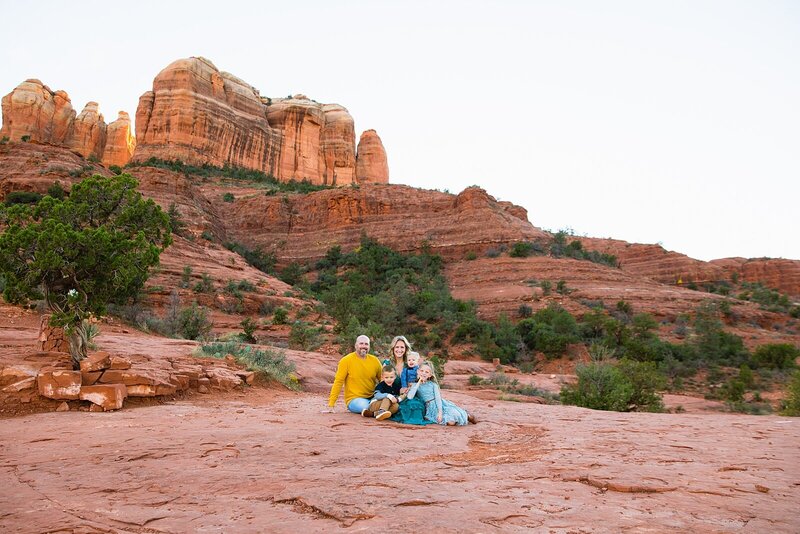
point(437, 410)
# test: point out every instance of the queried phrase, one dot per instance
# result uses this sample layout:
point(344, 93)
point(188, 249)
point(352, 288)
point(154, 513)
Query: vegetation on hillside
point(81, 252)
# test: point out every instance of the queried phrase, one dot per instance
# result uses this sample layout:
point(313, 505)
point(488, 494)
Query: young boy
point(385, 401)
point(409, 374)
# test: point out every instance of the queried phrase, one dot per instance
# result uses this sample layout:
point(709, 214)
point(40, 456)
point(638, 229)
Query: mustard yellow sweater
point(358, 376)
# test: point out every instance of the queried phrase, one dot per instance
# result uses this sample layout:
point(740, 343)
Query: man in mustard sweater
point(358, 372)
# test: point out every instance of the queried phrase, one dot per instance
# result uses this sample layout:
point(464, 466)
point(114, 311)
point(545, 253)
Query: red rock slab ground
point(271, 462)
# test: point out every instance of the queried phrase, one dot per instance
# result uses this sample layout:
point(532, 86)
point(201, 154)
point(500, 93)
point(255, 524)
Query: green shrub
point(791, 405)
point(207, 235)
point(627, 386)
point(281, 316)
point(471, 255)
point(304, 336)
point(546, 286)
point(193, 322)
point(475, 380)
point(186, 276)
point(521, 249)
point(524, 311)
point(116, 169)
point(205, 285)
point(56, 190)
point(263, 261)
point(22, 197)
point(4, 140)
point(249, 327)
point(291, 274)
point(599, 387)
point(228, 197)
point(176, 222)
point(561, 287)
point(25, 138)
point(776, 356)
point(268, 363)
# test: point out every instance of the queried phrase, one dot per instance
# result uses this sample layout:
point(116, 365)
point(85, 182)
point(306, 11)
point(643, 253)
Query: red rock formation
point(780, 274)
point(89, 132)
point(304, 227)
point(198, 114)
point(371, 164)
point(32, 109)
point(338, 146)
point(300, 120)
point(121, 142)
point(669, 267)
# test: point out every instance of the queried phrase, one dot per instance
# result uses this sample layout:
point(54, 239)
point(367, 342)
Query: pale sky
point(672, 122)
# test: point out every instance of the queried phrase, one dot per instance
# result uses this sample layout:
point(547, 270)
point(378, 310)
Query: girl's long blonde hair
point(430, 366)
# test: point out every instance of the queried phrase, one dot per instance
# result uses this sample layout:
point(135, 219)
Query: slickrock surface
point(32, 109)
point(372, 165)
point(272, 462)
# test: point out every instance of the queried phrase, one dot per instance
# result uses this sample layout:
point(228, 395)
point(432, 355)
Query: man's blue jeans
point(356, 405)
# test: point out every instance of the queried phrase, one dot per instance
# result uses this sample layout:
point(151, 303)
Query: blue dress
point(429, 393)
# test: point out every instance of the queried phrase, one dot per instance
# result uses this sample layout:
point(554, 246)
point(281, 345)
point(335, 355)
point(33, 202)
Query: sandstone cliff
point(199, 114)
point(372, 166)
point(121, 142)
point(34, 112)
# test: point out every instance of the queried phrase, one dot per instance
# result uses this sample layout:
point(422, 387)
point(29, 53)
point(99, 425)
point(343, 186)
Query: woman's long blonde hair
point(405, 353)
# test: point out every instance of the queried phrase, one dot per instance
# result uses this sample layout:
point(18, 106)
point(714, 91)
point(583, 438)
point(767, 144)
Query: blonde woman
point(398, 353)
point(437, 410)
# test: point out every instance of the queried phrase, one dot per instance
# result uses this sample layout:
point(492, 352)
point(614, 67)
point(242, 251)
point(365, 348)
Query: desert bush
point(56, 190)
point(193, 322)
point(249, 327)
point(471, 255)
point(176, 222)
point(627, 386)
point(546, 286)
point(205, 285)
point(524, 311)
point(116, 169)
point(228, 197)
point(269, 363)
point(281, 316)
point(304, 336)
point(186, 276)
point(521, 249)
point(561, 287)
point(292, 274)
point(475, 380)
point(776, 356)
point(22, 197)
point(791, 405)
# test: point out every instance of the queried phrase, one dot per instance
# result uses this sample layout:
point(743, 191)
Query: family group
point(398, 387)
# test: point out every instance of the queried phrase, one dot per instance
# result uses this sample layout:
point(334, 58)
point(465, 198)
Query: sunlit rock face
point(197, 114)
point(371, 164)
point(32, 110)
point(121, 142)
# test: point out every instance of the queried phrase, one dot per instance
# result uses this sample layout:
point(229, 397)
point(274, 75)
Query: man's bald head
point(362, 345)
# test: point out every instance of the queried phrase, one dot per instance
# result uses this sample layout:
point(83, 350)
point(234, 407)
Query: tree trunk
point(78, 342)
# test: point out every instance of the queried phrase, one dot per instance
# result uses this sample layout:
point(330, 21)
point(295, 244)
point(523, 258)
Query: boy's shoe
point(366, 413)
point(383, 414)
point(471, 419)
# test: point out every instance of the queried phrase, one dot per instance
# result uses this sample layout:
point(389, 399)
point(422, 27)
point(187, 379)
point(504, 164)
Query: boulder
point(248, 377)
point(371, 164)
point(151, 390)
point(97, 361)
point(59, 384)
point(109, 396)
point(120, 363)
point(222, 378)
point(25, 383)
point(89, 378)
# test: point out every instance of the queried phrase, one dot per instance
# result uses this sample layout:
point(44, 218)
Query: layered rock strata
point(371, 163)
point(199, 114)
point(121, 141)
point(33, 112)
